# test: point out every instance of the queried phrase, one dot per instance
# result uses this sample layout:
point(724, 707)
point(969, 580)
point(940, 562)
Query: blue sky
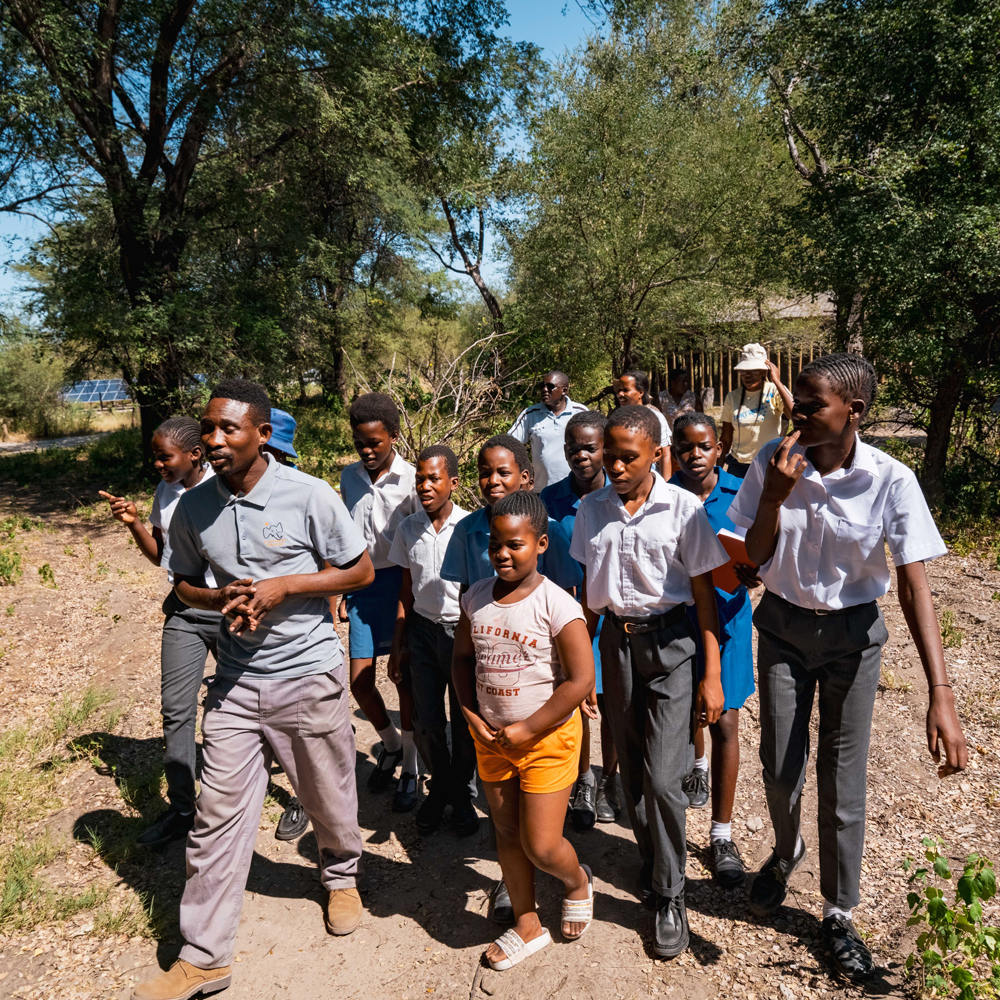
point(554, 25)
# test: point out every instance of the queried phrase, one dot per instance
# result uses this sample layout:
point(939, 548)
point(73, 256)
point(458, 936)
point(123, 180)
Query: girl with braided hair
point(522, 665)
point(820, 507)
point(188, 633)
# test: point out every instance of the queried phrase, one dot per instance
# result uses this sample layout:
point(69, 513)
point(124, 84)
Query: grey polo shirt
point(545, 431)
point(288, 523)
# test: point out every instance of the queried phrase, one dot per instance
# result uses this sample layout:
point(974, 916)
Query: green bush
point(323, 440)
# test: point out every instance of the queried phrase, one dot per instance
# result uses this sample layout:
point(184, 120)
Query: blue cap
point(283, 432)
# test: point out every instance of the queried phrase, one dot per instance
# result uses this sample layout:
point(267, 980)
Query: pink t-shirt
point(517, 665)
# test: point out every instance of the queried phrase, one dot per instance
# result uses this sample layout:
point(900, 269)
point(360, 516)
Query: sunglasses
point(552, 385)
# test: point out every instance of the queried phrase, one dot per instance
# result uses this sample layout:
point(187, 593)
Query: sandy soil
point(426, 897)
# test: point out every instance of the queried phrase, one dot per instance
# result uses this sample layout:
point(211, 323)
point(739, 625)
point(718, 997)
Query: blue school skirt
point(372, 614)
point(735, 646)
point(597, 657)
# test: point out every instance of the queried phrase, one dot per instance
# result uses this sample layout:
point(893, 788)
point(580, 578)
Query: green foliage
point(956, 954)
point(951, 634)
point(47, 576)
point(10, 566)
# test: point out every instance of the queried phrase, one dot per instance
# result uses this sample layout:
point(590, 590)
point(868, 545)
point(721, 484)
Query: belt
point(633, 625)
point(818, 612)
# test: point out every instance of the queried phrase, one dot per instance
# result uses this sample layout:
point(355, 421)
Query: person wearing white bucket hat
point(751, 415)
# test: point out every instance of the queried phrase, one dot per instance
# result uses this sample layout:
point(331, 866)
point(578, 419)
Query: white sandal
point(579, 911)
point(517, 950)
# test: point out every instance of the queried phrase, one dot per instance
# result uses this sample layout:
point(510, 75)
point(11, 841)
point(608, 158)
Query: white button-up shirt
point(378, 508)
point(830, 552)
point(420, 549)
point(641, 564)
point(545, 431)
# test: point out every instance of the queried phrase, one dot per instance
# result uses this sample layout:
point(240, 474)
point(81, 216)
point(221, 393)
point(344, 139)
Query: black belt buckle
point(627, 627)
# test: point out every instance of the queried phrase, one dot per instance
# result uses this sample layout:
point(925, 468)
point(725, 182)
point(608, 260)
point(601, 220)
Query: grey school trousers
point(649, 683)
point(305, 723)
point(188, 637)
point(453, 769)
point(840, 654)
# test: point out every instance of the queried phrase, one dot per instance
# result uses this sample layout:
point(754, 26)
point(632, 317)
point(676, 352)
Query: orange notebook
point(725, 577)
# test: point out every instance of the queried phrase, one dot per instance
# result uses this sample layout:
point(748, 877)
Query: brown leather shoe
point(343, 911)
point(182, 981)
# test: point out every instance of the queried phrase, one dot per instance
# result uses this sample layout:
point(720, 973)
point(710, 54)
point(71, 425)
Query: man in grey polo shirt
point(279, 543)
point(543, 427)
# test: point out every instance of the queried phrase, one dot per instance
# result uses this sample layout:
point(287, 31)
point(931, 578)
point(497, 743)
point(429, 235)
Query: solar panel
point(97, 390)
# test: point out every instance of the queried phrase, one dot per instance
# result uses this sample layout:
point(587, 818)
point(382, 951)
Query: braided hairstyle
point(522, 504)
point(512, 445)
point(635, 417)
point(183, 432)
point(641, 380)
point(695, 419)
point(586, 418)
point(849, 375)
point(441, 451)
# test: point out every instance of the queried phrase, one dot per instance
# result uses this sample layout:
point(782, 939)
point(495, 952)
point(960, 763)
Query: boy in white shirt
point(426, 617)
point(379, 493)
point(820, 506)
point(648, 551)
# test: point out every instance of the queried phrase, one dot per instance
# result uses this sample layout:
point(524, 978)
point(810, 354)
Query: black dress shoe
point(503, 911)
point(464, 819)
point(670, 936)
point(293, 823)
point(851, 957)
point(431, 812)
point(583, 807)
point(696, 787)
point(727, 864)
point(770, 886)
point(647, 894)
point(608, 807)
point(385, 769)
point(405, 797)
point(171, 826)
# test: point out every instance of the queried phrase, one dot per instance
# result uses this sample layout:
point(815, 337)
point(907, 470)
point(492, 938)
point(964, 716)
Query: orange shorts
point(550, 764)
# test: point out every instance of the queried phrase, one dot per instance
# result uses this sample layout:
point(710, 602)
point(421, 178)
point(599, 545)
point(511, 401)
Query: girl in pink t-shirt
point(522, 665)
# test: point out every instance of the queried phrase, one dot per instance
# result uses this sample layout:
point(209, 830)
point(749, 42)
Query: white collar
point(456, 515)
point(660, 494)
point(864, 461)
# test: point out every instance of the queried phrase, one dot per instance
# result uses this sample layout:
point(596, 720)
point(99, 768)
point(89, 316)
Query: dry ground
point(425, 897)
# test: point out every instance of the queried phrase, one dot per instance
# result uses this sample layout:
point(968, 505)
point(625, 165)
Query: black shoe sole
point(674, 950)
point(582, 822)
point(468, 830)
point(729, 884)
point(292, 834)
point(766, 911)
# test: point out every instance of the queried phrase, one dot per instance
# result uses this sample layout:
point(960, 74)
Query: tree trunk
point(847, 331)
point(942, 415)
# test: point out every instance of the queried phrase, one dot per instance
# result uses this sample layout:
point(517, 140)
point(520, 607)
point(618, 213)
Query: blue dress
point(562, 504)
point(735, 612)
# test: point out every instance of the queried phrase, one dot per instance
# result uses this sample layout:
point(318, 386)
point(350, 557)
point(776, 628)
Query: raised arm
point(784, 469)
point(786, 396)
point(125, 510)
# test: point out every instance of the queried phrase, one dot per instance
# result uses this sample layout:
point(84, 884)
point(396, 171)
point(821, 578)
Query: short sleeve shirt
point(165, 501)
point(755, 421)
point(671, 410)
point(641, 564)
point(377, 508)
point(468, 557)
point(289, 523)
point(545, 432)
point(833, 529)
point(517, 663)
point(418, 547)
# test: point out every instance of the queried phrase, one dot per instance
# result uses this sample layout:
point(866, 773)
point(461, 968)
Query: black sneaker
point(851, 957)
point(582, 808)
point(385, 769)
point(405, 798)
point(670, 933)
point(464, 819)
point(171, 826)
point(727, 864)
point(647, 894)
point(608, 807)
point(503, 911)
point(293, 823)
point(770, 886)
point(695, 785)
point(431, 812)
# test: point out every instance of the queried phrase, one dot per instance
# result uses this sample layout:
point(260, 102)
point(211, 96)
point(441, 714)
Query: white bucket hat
point(753, 357)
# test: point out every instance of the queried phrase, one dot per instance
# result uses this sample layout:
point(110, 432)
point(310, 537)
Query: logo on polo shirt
point(273, 535)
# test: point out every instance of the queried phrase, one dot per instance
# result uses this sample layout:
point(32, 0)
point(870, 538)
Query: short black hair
point(586, 418)
point(850, 376)
point(641, 380)
point(695, 419)
point(245, 391)
point(185, 432)
point(512, 445)
point(562, 375)
point(676, 373)
point(375, 407)
point(524, 504)
point(636, 417)
point(441, 451)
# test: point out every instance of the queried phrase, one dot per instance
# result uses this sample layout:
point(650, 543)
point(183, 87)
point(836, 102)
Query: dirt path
point(425, 925)
point(20, 447)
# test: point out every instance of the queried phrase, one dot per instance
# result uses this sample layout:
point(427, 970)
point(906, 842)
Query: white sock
point(409, 751)
point(390, 738)
point(701, 764)
point(829, 910)
point(720, 831)
point(588, 777)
